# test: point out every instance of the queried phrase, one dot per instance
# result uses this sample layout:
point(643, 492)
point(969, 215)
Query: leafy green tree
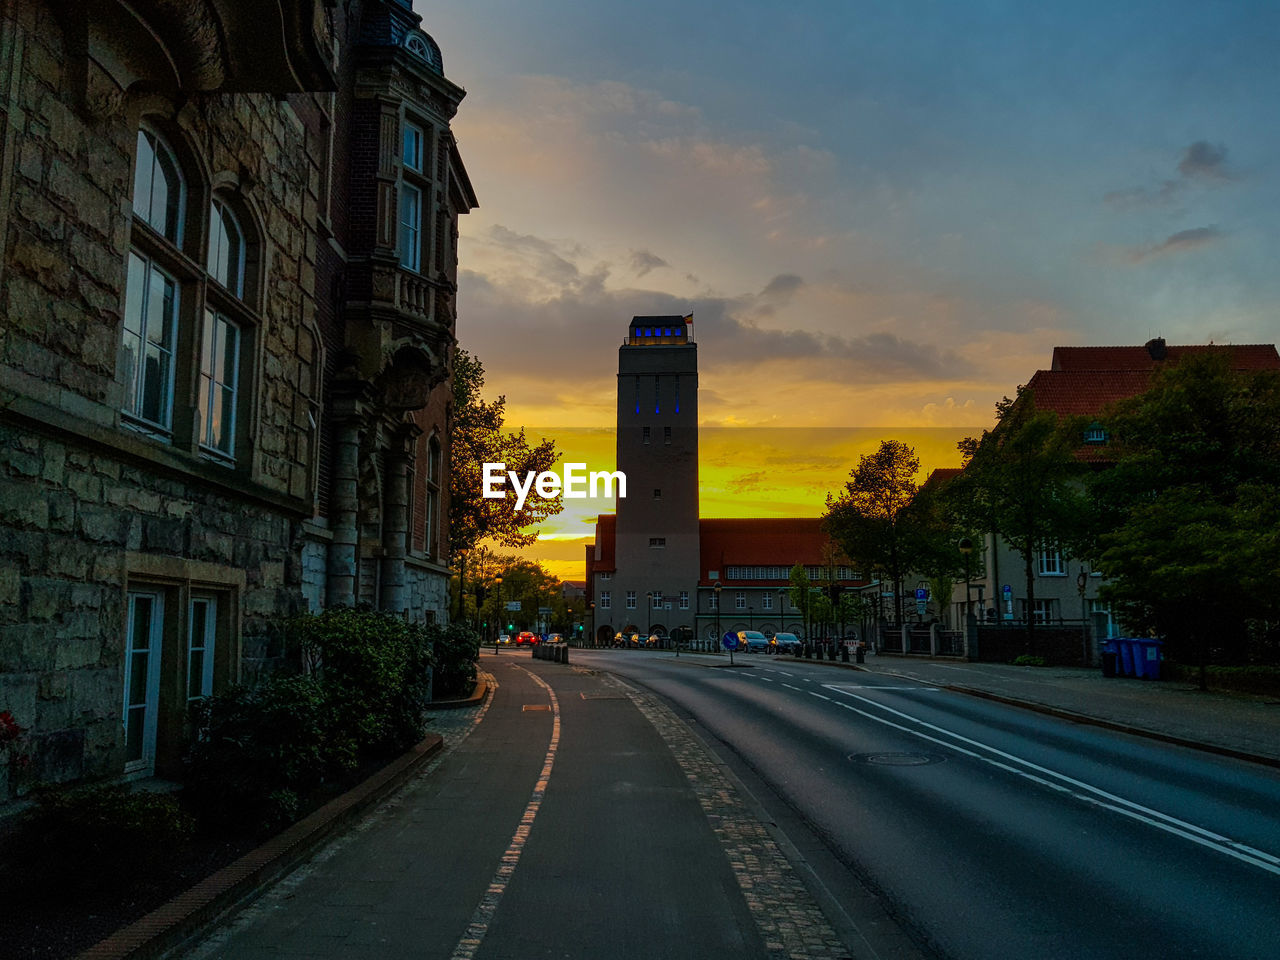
point(1189, 537)
point(1023, 480)
point(477, 439)
point(871, 520)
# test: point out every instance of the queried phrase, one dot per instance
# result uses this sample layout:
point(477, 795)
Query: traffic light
point(579, 628)
point(481, 591)
point(510, 627)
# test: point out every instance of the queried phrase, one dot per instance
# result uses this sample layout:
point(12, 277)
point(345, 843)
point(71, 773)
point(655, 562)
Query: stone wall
point(90, 507)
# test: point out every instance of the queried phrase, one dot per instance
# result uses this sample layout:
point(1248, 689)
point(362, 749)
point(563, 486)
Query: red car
point(525, 637)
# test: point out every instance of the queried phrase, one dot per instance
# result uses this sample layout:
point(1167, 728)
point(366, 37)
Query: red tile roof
point(1084, 393)
point(1244, 356)
point(761, 542)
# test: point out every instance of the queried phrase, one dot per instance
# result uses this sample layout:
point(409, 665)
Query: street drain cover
point(530, 707)
point(896, 759)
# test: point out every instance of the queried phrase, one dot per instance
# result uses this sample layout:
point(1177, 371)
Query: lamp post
point(717, 588)
point(1082, 581)
point(591, 610)
point(751, 610)
point(568, 612)
point(648, 630)
point(965, 546)
point(498, 583)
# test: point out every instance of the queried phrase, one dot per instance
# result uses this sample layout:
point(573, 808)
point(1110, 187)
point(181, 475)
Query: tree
point(1022, 480)
point(870, 520)
point(477, 439)
point(1190, 510)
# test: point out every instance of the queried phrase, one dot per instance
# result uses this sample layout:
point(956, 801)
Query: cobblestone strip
point(790, 922)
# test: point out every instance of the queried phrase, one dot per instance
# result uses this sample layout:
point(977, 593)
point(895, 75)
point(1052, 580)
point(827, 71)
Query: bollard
point(861, 654)
point(844, 654)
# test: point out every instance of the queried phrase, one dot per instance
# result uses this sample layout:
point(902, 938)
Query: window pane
point(166, 196)
point(195, 674)
point(160, 310)
point(155, 377)
point(142, 175)
point(410, 223)
point(226, 248)
point(138, 663)
point(135, 720)
point(141, 623)
point(224, 420)
point(229, 344)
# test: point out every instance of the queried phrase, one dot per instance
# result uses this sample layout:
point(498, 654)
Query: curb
point(202, 906)
point(479, 693)
point(1085, 718)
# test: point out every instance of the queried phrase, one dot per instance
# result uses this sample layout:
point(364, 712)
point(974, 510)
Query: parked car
point(504, 639)
point(555, 638)
point(786, 642)
point(753, 641)
point(525, 638)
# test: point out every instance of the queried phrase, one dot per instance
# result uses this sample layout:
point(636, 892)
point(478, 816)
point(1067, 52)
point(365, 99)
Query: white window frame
point(606, 576)
point(658, 543)
point(213, 343)
point(606, 602)
point(656, 600)
point(1050, 563)
point(740, 600)
point(149, 704)
point(714, 599)
point(631, 599)
point(155, 145)
point(411, 228)
point(143, 337)
point(684, 599)
point(766, 601)
point(219, 215)
point(202, 624)
point(1043, 610)
point(411, 140)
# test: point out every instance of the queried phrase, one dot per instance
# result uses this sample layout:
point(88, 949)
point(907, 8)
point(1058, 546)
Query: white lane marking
point(820, 696)
point(790, 687)
point(784, 673)
point(1083, 791)
point(765, 679)
point(874, 686)
point(483, 916)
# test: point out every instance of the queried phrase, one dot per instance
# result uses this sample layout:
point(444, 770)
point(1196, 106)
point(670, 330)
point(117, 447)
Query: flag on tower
point(689, 318)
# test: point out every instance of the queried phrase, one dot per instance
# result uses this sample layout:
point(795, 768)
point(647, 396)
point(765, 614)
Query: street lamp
point(750, 615)
point(498, 583)
point(1082, 581)
point(965, 546)
point(569, 613)
point(591, 609)
point(717, 588)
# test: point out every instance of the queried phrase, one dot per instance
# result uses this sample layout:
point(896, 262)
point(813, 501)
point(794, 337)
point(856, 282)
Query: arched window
point(159, 193)
point(226, 248)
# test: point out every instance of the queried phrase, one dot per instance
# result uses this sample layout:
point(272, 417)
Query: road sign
point(1007, 590)
point(922, 593)
point(513, 605)
point(730, 641)
point(544, 610)
point(919, 606)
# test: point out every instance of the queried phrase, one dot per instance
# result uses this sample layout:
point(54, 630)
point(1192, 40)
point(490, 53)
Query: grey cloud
point(1203, 159)
point(1179, 242)
point(642, 261)
point(550, 263)
point(782, 286)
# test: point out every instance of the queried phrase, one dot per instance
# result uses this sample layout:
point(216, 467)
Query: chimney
point(1156, 348)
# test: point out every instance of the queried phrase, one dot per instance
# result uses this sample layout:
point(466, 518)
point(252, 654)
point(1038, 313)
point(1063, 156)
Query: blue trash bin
point(1126, 645)
point(1148, 654)
point(1110, 658)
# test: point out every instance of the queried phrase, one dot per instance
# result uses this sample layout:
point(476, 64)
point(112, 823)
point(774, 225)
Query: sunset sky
point(883, 216)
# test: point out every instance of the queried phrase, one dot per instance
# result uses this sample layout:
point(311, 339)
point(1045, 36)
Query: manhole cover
point(531, 707)
point(896, 759)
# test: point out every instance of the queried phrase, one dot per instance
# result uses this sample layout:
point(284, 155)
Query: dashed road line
point(483, 916)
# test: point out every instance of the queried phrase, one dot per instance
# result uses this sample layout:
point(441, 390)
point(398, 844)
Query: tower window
point(656, 402)
point(666, 435)
point(645, 435)
point(657, 542)
point(657, 493)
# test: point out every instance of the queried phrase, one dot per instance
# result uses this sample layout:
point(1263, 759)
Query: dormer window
point(1095, 433)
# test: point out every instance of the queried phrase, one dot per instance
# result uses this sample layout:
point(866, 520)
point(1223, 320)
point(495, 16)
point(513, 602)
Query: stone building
point(227, 267)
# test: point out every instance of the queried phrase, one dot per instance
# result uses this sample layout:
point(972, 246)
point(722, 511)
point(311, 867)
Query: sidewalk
point(630, 843)
point(1233, 724)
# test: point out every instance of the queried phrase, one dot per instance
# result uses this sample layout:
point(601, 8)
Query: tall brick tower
point(657, 525)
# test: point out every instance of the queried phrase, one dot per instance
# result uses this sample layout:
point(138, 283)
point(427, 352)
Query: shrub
point(456, 648)
point(109, 832)
point(258, 746)
point(1027, 660)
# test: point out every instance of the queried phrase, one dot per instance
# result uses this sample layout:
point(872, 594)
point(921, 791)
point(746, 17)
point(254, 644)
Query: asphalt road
point(988, 830)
